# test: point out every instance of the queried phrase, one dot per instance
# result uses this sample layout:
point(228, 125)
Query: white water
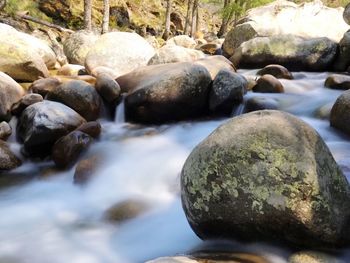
point(52, 220)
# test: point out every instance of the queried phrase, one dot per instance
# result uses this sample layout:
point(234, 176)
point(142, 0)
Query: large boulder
point(77, 46)
point(8, 160)
point(295, 53)
point(80, 96)
point(309, 20)
point(10, 93)
point(43, 123)
point(343, 59)
point(121, 51)
point(172, 54)
point(340, 117)
point(266, 175)
point(214, 64)
point(166, 93)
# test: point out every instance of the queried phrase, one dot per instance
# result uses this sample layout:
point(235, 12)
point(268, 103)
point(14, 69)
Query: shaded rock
point(227, 91)
point(313, 257)
point(67, 150)
point(166, 93)
point(80, 96)
point(5, 130)
point(277, 71)
point(215, 63)
point(108, 88)
point(210, 48)
point(337, 81)
point(92, 128)
point(24, 102)
point(260, 103)
point(77, 46)
point(44, 86)
point(268, 84)
point(266, 176)
point(178, 21)
point(43, 123)
point(71, 70)
point(340, 118)
point(290, 51)
point(346, 14)
point(126, 210)
point(8, 160)
point(121, 51)
point(342, 61)
point(324, 112)
point(10, 93)
point(85, 169)
point(172, 54)
point(182, 41)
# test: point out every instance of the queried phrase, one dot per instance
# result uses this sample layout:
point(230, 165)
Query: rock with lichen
point(266, 176)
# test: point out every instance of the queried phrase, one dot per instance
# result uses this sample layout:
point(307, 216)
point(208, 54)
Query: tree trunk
point(194, 16)
point(87, 14)
point(225, 20)
point(2, 4)
point(188, 14)
point(105, 21)
point(167, 20)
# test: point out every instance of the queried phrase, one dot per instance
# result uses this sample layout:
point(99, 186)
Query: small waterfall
point(120, 112)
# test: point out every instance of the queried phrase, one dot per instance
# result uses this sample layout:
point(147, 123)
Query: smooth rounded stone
point(126, 210)
point(172, 54)
point(24, 102)
point(292, 52)
point(324, 112)
point(260, 103)
point(210, 48)
point(80, 96)
point(182, 41)
point(266, 176)
point(92, 128)
point(85, 169)
point(268, 84)
point(77, 46)
point(337, 81)
point(10, 93)
point(342, 61)
point(227, 91)
point(313, 257)
point(346, 14)
point(70, 70)
point(340, 118)
point(5, 130)
point(108, 88)
point(216, 63)
point(277, 71)
point(120, 51)
point(104, 70)
point(43, 123)
point(44, 86)
point(166, 93)
point(67, 150)
point(8, 160)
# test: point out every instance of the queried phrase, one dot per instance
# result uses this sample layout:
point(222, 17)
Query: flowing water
point(50, 219)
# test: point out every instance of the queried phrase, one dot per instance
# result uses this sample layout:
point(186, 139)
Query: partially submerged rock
point(337, 81)
point(277, 71)
point(340, 118)
point(268, 84)
point(126, 210)
point(8, 160)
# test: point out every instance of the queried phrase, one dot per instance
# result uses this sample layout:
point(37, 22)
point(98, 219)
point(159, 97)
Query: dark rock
point(277, 71)
point(260, 103)
point(346, 14)
point(343, 59)
point(8, 160)
point(80, 96)
point(337, 81)
point(126, 210)
point(24, 102)
point(5, 130)
point(266, 176)
point(340, 118)
point(268, 84)
point(67, 150)
point(85, 169)
point(44, 86)
point(108, 88)
point(227, 91)
point(216, 63)
point(92, 128)
point(43, 123)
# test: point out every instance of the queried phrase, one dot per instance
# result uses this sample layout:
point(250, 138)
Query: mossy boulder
point(266, 176)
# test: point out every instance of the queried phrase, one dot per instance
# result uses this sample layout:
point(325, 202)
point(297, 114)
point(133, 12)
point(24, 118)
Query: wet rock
point(126, 210)
point(227, 91)
point(8, 160)
point(342, 61)
point(172, 54)
point(67, 150)
point(324, 112)
point(266, 176)
point(120, 51)
point(80, 96)
point(92, 128)
point(44, 86)
point(10, 93)
point(316, 54)
point(340, 118)
point(313, 257)
point(24, 102)
point(182, 41)
point(166, 93)
point(268, 84)
point(43, 123)
point(71, 70)
point(337, 81)
point(77, 46)
point(5, 130)
point(277, 71)
point(215, 63)
point(260, 103)
point(85, 169)
point(346, 14)
point(108, 88)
